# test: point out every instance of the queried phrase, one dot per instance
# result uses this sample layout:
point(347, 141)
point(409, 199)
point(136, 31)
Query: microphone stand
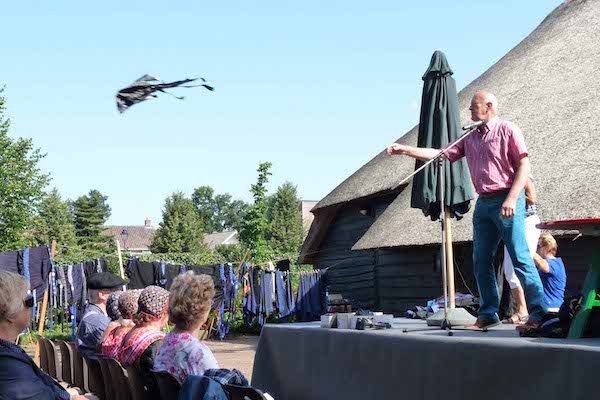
point(438, 162)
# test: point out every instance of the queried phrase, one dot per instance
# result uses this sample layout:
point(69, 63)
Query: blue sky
point(316, 87)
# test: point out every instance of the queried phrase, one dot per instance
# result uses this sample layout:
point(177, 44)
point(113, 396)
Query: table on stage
point(307, 362)
point(591, 287)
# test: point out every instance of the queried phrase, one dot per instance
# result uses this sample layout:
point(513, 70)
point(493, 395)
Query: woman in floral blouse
point(181, 352)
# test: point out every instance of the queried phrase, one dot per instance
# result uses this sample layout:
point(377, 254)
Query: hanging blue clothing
point(220, 325)
point(290, 293)
point(269, 294)
point(281, 300)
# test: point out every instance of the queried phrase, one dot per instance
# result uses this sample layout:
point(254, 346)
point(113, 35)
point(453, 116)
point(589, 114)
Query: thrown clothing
point(21, 379)
point(182, 354)
point(227, 377)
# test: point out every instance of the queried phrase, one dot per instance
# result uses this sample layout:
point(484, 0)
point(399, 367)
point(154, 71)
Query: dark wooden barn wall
point(396, 279)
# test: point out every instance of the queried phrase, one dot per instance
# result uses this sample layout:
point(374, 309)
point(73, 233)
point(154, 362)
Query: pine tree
point(55, 222)
point(181, 228)
point(21, 186)
point(286, 225)
point(91, 212)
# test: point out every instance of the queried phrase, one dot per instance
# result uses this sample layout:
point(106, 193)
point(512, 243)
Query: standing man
point(499, 165)
point(95, 320)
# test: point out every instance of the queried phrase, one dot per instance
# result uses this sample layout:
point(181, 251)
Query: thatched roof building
point(547, 86)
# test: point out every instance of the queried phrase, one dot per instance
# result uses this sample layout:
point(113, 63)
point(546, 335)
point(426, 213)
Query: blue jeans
point(488, 229)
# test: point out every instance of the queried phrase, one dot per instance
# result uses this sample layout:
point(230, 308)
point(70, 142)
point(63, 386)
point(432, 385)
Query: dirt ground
point(237, 352)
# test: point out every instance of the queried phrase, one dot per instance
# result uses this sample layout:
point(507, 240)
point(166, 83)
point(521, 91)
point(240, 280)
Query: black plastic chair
point(243, 392)
point(168, 386)
point(66, 362)
point(109, 389)
point(54, 360)
point(77, 373)
point(93, 379)
point(136, 383)
point(120, 379)
point(43, 354)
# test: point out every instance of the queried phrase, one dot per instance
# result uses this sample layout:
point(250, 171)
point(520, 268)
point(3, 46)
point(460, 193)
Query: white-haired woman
point(20, 378)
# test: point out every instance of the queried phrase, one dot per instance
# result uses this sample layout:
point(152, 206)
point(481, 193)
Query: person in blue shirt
point(95, 320)
point(551, 270)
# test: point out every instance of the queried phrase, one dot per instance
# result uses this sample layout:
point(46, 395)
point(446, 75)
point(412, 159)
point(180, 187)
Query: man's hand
point(397, 148)
point(508, 208)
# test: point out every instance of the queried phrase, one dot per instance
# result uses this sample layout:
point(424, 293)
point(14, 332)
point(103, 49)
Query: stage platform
point(303, 361)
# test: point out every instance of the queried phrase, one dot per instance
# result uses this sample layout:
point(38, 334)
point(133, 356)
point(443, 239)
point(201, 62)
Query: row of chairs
point(108, 379)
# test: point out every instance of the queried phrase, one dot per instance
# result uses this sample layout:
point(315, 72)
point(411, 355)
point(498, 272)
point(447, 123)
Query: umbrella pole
point(449, 257)
point(440, 172)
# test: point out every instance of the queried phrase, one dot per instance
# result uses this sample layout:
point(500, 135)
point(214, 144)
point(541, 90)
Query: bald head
point(484, 106)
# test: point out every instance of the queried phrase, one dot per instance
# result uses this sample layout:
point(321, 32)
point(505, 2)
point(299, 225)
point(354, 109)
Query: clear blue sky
point(316, 87)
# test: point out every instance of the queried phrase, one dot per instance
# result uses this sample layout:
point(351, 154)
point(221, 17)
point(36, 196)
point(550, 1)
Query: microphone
point(473, 125)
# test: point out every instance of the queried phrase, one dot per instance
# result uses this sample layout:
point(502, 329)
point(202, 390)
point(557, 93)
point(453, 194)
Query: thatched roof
point(547, 85)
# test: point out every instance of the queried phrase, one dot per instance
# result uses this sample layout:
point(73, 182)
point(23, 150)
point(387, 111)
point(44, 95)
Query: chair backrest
point(120, 380)
point(243, 392)
point(95, 380)
point(77, 372)
point(168, 386)
point(43, 354)
point(66, 362)
point(54, 360)
point(136, 383)
point(109, 390)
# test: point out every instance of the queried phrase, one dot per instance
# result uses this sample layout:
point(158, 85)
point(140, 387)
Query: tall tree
point(55, 222)
point(181, 228)
point(255, 226)
point(21, 185)
point(218, 212)
point(91, 212)
point(234, 215)
point(286, 226)
point(203, 199)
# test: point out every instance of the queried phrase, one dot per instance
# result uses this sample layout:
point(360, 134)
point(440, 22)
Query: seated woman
point(552, 272)
point(182, 353)
point(20, 378)
point(121, 316)
point(140, 344)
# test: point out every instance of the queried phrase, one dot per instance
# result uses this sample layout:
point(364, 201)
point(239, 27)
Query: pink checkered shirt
point(493, 154)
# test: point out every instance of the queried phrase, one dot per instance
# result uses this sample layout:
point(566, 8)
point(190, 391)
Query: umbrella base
point(455, 316)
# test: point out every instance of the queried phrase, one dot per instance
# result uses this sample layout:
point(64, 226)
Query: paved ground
point(237, 352)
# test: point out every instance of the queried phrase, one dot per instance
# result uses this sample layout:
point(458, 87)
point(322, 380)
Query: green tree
point(234, 215)
point(286, 225)
point(21, 186)
point(218, 212)
point(254, 230)
point(91, 212)
point(181, 229)
point(55, 222)
point(203, 199)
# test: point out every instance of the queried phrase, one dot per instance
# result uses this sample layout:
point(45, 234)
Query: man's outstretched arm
point(420, 153)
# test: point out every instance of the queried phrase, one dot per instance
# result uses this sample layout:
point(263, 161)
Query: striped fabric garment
point(137, 343)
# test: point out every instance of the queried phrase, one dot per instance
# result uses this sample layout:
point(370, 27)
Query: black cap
point(104, 280)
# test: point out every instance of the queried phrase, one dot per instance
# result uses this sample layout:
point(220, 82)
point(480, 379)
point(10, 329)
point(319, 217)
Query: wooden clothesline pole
point(42, 323)
point(242, 262)
point(120, 262)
